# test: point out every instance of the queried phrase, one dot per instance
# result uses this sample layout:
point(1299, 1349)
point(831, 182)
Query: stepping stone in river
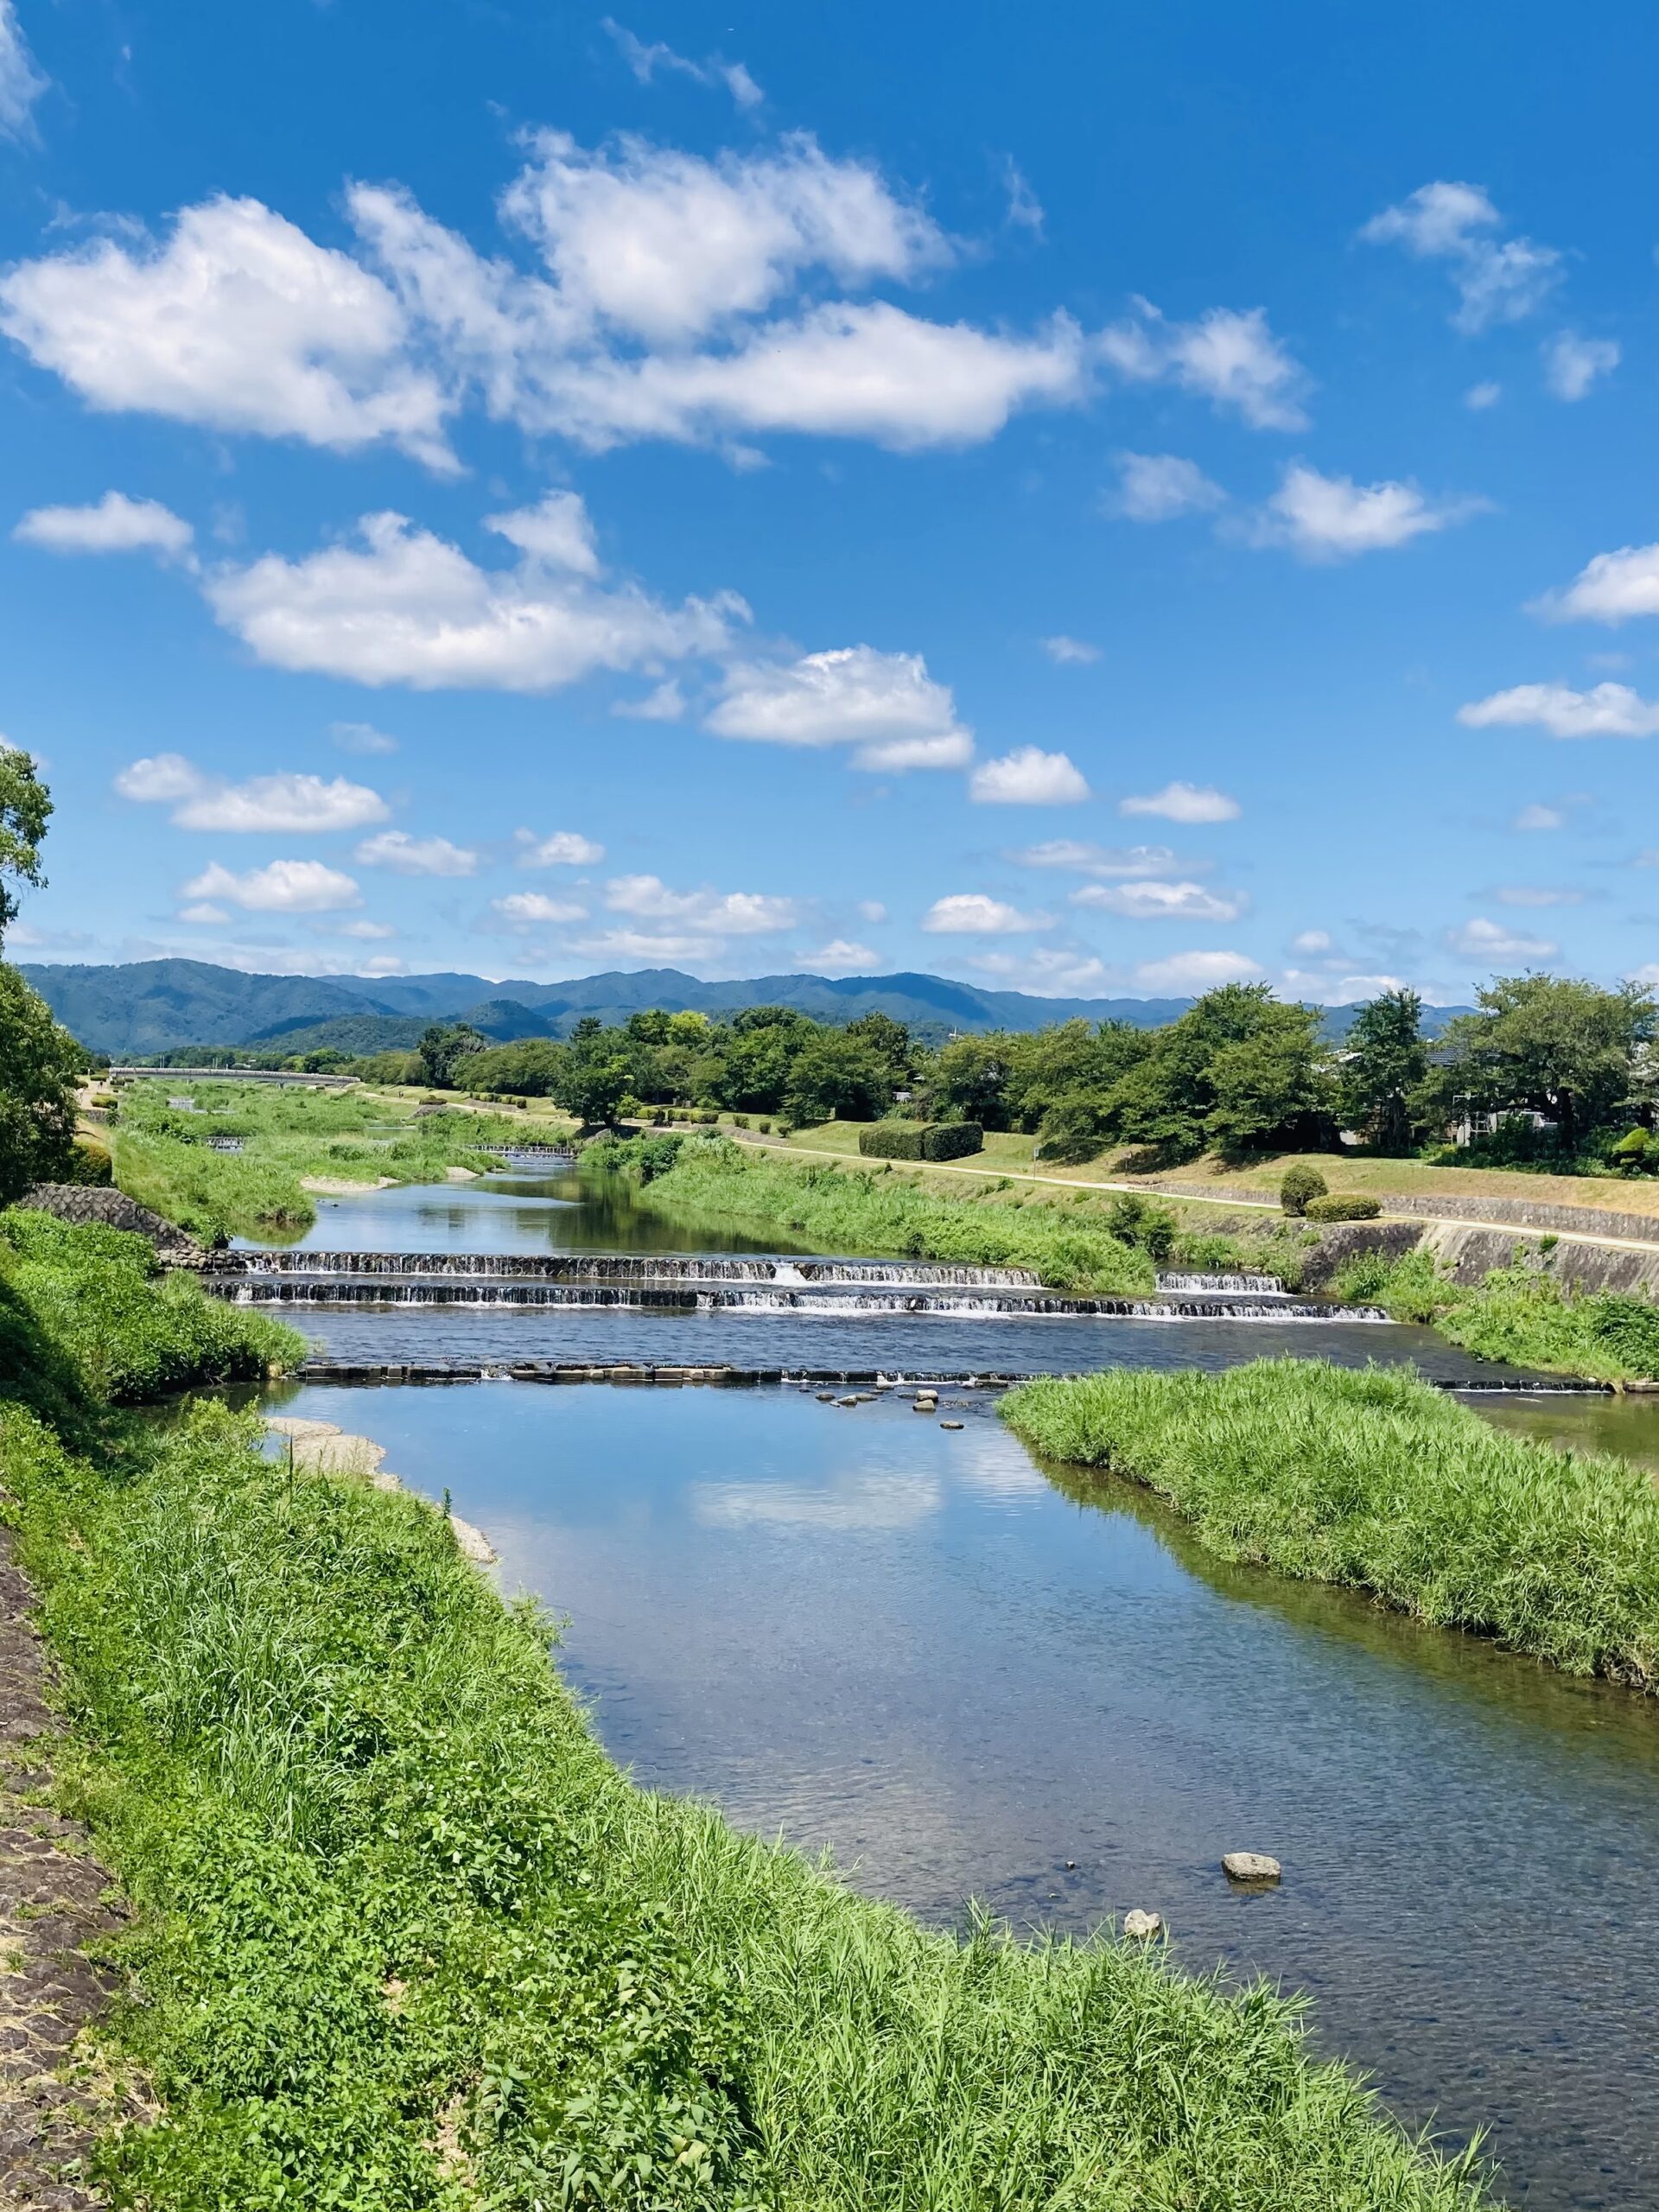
point(1249, 1866)
point(950, 1424)
point(1142, 1925)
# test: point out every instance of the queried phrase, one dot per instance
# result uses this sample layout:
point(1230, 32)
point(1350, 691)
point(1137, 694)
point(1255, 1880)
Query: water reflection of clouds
point(861, 1501)
point(996, 1468)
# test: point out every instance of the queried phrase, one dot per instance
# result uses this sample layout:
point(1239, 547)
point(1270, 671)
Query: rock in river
point(1249, 1866)
point(1142, 1924)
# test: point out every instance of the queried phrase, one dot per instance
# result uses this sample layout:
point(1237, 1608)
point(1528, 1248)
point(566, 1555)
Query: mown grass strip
point(1373, 1478)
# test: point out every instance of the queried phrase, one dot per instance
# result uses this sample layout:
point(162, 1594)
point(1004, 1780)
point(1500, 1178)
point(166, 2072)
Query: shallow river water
point(959, 1672)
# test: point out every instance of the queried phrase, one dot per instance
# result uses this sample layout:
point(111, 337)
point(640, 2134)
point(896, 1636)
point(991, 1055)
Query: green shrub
point(1137, 1221)
point(952, 1140)
point(1342, 1205)
point(1301, 1183)
point(90, 1163)
point(892, 1141)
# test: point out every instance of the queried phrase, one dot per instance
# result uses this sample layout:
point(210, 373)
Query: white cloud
point(1481, 940)
point(1229, 358)
point(361, 737)
point(1024, 209)
point(557, 532)
point(970, 913)
point(1180, 802)
point(842, 957)
point(1047, 971)
point(1197, 971)
point(654, 946)
point(707, 914)
point(238, 323)
point(1480, 396)
point(523, 909)
point(1606, 710)
point(667, 246)
point(1537, 817)
point(407, 855)
point(1527, 894)
point(1027, 777)
point(1158, 486)
point(282, 888)
point(1610, 588)
point(885, 704)
point(1071, 652)
point(1311, 941)
point(1109, 861)
point(1648, 973)
point(871, 910)
point(1572, 364)
point(204, 915)
point(20, 82)
point(645, 61)
point(1497, 281)
point(1149, 900)
point(564, 848)
point(374, 931)
point(115, 525)
point(1332, 518)
point(667, 703)
point(263, 806)
point(405, 607)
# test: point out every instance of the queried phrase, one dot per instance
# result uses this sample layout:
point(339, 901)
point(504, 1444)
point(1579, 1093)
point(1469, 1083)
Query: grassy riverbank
point(1110, 1247)
point(163, 1159)
point(1518, 1313)
point(1378, 1480)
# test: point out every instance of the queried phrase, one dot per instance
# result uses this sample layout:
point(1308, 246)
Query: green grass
point(162, 1158)
point(87, 1319)
point(1519, 1313)
point(405, 1938)
point(1376, 1480)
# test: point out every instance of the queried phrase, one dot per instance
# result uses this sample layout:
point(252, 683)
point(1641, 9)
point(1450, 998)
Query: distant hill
point(159, 1006)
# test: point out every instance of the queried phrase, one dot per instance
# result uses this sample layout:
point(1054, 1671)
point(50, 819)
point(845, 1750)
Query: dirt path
point(54, 1900)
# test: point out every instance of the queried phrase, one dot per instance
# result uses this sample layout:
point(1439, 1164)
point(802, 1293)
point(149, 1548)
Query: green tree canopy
point(1548, 1044)
point(442, 1049)
point(1385, 1061)
point(1237, 1069)
point(40, 1066)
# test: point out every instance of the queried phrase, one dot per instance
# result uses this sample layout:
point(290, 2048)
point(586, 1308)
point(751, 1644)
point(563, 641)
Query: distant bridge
point(228, 1075)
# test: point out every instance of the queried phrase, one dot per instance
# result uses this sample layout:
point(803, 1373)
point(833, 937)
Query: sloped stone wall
point(83, 1203)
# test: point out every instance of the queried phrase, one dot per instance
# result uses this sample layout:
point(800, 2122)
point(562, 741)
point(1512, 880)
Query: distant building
point(1471, 1125)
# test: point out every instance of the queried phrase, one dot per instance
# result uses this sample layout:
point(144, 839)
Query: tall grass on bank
point(1518, 1313)
point(406, 1938)
point(855, 1210)
point(162, 1157)
point(86, 1313)
point(1378, 1479)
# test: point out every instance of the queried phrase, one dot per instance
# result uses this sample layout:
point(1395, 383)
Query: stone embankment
point(1468, 1254)
point(84, 1202)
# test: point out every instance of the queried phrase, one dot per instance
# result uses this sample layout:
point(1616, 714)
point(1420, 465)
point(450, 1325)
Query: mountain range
point(162, 1006)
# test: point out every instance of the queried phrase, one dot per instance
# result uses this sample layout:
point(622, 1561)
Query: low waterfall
point(1181, 1286)
point(635, 1268)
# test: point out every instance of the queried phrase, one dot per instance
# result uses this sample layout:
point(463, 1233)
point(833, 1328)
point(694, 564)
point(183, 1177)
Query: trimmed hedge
point(921, 1139)
point(1300, 1186)
point(1343, 1206)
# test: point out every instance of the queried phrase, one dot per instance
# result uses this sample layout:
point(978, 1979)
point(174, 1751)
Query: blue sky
point(1089, 500)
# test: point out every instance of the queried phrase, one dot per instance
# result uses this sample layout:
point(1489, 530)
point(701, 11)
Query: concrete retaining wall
point(82, 1203)
point(1469, 1254)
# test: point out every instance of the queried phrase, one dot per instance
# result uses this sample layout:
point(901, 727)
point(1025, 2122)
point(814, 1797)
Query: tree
point(836, 1076)
point(40, 1065)
point(1386, 1060)
point(442, 1049)
point(1271, 1088)
point(1549, 1045)
point(890, 1042)
point(970, 1079)
point(528, 1067)
point(25, 809)
point(592, 1086)
point(1237, 1069)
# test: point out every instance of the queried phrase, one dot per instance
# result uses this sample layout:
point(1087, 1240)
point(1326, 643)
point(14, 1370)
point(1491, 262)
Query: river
point(965, 1674)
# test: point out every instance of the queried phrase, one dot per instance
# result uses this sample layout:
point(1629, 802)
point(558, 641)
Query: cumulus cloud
point(1539, 816)
point(1106, 860)
point(524, 909)
point(885, 705)
point(1606, 710)
point(114, 524)
point(557, 532)
point(1028, 777)
point(238, 321)
point(1071, 652)
point(276, 805)
point(407, 855)
point(1230, 358)
point(1482, 939)
point(646, 59)
point(970, 913)
point(1308, 942)
point(665, 703)
point(564, 848)
point(1150, 900)
point(707, 914)
point(20, 82)
point(842, 957)
point(1332, 518)
point(1480, 396)
point(374, 931)
point(1197, 971)
point(1047, 971)
point(1612, 587)
point(281, 887)
point(1572, 364)
point(1180, 802)
point(1158, 486)
point(1497, 280)
point(361, 737)
point(403, 605)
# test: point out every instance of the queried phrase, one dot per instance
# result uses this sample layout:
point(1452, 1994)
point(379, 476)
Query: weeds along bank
point(1375, 1479)
point(405, 1938)
point(1109, 1250)
point(166, 1158)
point(1517, 1313)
